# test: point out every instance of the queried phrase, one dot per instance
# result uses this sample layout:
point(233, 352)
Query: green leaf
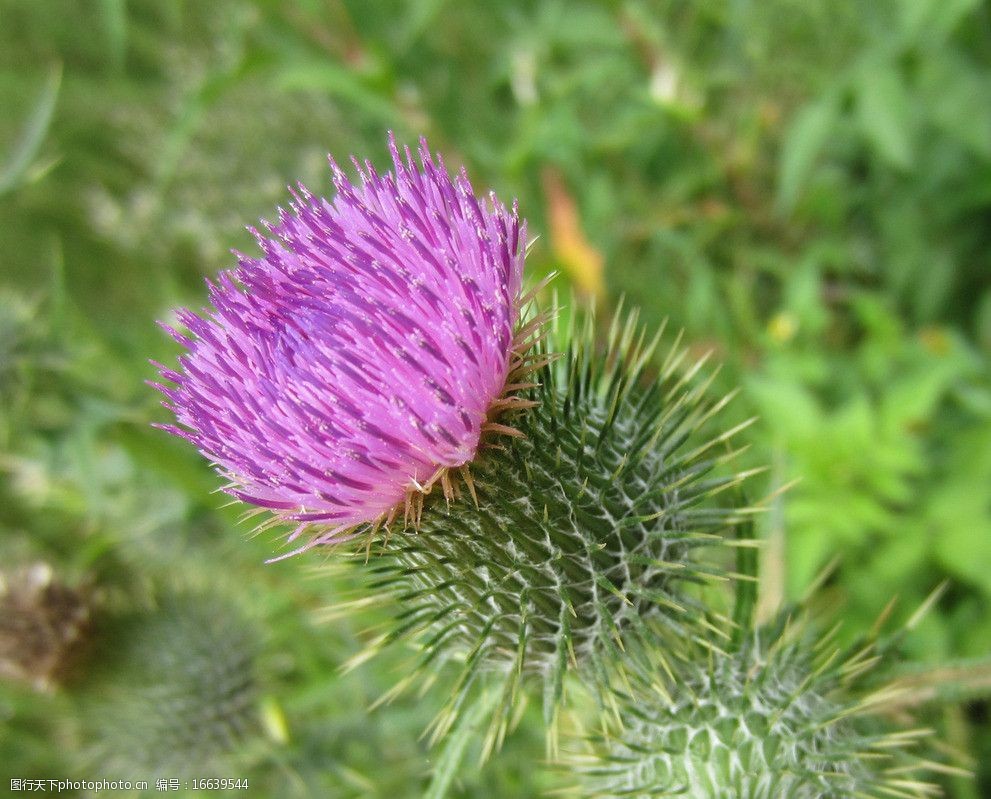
point(885, 113)
point(803, 144)
point(114, 13)
point(957, 98)
point(787, 407)
point(960, 526)
point(18, 169)
point(808, 550)
point(913, 397)
point(422, 14)
point(934, 19)
point(340, 83)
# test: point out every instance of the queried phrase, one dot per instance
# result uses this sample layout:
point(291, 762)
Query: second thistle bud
point(178, 692)
point(787, 714)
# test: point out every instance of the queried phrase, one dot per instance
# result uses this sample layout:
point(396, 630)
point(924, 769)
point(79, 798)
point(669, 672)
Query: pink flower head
point(358, 358)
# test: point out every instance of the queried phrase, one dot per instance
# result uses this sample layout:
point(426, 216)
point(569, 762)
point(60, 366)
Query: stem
point(746, 590)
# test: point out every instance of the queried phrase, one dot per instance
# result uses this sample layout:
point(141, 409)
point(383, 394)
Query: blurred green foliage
point(804, 187)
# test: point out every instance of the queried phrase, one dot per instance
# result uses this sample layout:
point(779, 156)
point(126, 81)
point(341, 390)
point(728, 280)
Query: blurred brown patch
point(582, 261)
point(42, 624)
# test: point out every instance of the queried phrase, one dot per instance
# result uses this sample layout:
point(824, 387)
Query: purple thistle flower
point(360, 358)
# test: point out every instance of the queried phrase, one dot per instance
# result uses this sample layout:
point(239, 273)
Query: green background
point(805, 188)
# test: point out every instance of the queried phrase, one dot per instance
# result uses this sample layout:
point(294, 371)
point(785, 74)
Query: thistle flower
point(341, 375)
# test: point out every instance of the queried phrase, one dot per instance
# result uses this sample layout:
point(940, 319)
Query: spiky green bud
point(786, 715)
point(576, 528)
point(180, 694)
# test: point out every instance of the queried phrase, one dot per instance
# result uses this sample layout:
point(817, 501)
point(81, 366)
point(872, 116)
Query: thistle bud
point(786, 713)
point(176, 693)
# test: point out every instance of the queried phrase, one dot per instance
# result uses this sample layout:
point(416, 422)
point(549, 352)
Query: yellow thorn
point(511, 403)
point(371, 535)
point(445, 483)
point(466, 476)
point(495, 427)
point(518, 386)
